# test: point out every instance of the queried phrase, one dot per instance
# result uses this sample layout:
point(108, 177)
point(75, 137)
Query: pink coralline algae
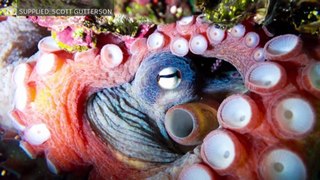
point(88, 109)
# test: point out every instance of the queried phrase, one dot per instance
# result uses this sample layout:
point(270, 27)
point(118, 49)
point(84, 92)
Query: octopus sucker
point(184, 25)
point(309, 78)
point(48, 63)
point(281, 163)
point(258, 55)
point(238, 31)
point(149, 107)
point(22, 98)
point(197, 171)
point(48, 44)
point(179, 46)
point(252, 39)
point(266, 77)
point(215, 34)
point(155, 41)
point(283, 47)
point(198, 44)
point(294, 115)
point(21, 73)
point(187, 124)
point(239, 113)
point(37, 134)
point(111, 55)
point(225, 153)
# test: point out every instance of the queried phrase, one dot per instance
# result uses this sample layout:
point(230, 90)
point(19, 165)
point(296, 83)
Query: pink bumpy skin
point(49, 105)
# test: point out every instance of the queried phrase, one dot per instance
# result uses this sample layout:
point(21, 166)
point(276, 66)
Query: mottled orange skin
point(58, 99)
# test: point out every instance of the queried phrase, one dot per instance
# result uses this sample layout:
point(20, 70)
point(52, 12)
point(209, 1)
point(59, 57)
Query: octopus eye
point(169, 78)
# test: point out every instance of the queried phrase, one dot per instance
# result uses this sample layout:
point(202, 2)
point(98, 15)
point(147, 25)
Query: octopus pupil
point(175, 74)
point(169, 78)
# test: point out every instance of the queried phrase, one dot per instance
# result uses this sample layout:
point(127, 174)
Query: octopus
point(144, 107)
